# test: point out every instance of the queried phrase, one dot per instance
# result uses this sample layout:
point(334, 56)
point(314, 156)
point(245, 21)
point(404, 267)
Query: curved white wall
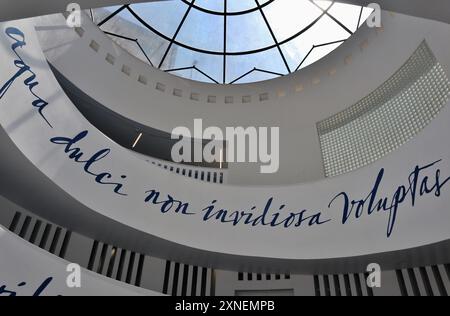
point(296, 102)
point(417, 224)
point(46, 274)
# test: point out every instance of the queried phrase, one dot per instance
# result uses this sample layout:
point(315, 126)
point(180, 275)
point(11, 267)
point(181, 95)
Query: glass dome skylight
point(231, 41)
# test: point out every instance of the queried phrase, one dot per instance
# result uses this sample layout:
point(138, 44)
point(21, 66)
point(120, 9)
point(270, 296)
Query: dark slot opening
point(359, 291)
point(55, 240)
point(348, 287)
point(439, 281)
point(337, 285)
point(112, 261)
point(204, 280)
point(101, 264)
point(123, 254)
point(166, 277)
point(130, 268)
point(25, 226)
point(414, 283)
point(45, 235)
point(93, 255)
point(326, 281)
point(140, 270)
point(176, 274)
point(185, 280)
point(317, 285)
point(401, 283)
point(15, 221)
point(426, 281)
point(194, 281)
point(65, 244)
point(35, 231)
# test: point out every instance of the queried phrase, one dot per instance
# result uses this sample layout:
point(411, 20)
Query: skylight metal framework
point(226, 53)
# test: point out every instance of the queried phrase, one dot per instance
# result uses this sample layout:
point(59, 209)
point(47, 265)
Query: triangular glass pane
point(124, 24)
point(269, 60)
point(319, 53)
point(256, 76)
point(365, 15)
point(180, 57)
point(347, 14)
point(324, 31)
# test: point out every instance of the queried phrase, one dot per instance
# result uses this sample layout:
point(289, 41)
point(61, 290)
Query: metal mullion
point(143, 52)
point(307, 55)
point(131, 40)
point(244, 75)
point(256, 69)
point(329, 43)
point(120, 36)
point(332, 17)
point(314, 47)
point(225, 9)
point(206, 75)
point(194, 68)
point(273, 36)
point(112, 15)
point(179, 69)
point(269, 72)
point(360, 17)
point(176, 33)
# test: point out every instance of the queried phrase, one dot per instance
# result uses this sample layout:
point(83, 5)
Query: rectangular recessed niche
point(299, 88)
point(79, 31)
point(195, 96)
point(110, 59)
point(229, 100)
point(142, 79)
point(95, 46)
point(246, 99)
point(126, 70)
point(160, 87)
point(263, 97)
point(281, 93)
point(212, 99)
point(178, 92)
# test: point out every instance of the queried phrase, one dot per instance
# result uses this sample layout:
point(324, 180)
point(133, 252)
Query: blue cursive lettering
point(266, 218)
point(76, 155)
point(19, 41)
point(166, 205)
point(44, 285)
point(418, 186)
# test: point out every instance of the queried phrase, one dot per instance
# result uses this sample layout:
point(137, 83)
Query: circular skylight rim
point(259, 43)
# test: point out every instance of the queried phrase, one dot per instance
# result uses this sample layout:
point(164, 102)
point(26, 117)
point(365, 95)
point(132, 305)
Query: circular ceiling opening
point(231, 41)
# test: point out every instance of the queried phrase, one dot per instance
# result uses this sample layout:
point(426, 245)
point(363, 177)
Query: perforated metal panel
point(388, 117)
